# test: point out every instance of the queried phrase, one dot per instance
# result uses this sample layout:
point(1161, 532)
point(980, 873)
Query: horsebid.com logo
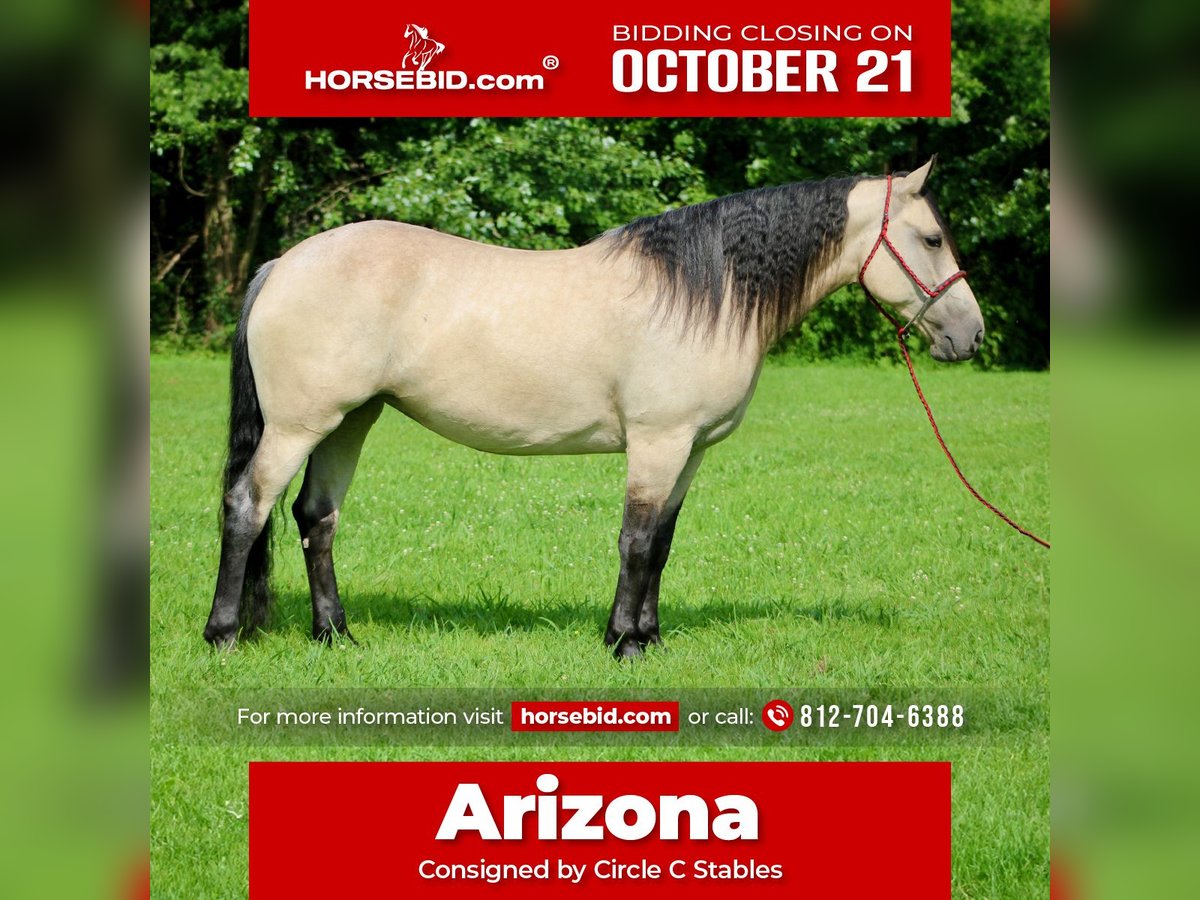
point(421, 47)
point(413, 75)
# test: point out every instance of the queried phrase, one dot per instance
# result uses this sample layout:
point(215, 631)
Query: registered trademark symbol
point(550, 62)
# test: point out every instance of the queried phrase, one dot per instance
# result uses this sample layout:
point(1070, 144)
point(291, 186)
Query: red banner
point(693, 58)
point(553, 830)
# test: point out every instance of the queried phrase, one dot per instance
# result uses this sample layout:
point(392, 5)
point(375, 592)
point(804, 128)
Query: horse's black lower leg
point(241, 530)
point(660, 549)
point(661, 466)
point(636, 544)
point(316, 537)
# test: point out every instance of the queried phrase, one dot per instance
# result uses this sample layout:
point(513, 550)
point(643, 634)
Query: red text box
point(847, 830)
point(674, 58)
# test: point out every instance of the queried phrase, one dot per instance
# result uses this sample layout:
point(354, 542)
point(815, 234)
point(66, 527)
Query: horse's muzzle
point(947, 348)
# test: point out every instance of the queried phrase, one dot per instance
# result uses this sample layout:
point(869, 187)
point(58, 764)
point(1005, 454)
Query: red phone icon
point(777, 715)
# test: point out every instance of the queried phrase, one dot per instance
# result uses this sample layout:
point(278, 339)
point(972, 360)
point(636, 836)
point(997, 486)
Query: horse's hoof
point(656, 642)
point(627, 648)
point(327, 633)
point(221, 638)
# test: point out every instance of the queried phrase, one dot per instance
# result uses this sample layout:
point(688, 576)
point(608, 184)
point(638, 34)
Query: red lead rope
point(901, 330)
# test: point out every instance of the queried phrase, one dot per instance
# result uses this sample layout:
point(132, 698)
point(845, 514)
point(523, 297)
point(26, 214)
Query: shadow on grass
point(489, 613)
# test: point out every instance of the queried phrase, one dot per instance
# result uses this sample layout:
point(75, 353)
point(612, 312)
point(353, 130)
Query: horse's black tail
point(245, 432)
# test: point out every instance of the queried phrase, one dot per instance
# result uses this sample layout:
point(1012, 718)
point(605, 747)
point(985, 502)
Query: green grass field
point(825, 545)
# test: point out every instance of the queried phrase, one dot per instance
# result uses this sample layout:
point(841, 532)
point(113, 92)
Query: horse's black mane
point(765, 245)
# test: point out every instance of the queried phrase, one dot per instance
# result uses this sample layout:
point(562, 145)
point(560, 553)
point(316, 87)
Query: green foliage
point(241, 191)
point(531, 183)
point(194, 98)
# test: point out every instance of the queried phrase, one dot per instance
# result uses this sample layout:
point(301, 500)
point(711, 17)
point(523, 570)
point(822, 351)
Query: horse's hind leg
point(660, 471)
point(316, 509)
point(248, 505)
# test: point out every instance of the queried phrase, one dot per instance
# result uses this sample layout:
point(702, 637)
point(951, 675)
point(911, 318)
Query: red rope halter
point(931, 294)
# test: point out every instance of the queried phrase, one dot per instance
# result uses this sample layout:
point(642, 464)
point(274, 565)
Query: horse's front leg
point(656, 484)
point(660, 550)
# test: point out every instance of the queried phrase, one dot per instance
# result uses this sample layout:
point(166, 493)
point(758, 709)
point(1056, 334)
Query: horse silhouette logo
point(421, 47)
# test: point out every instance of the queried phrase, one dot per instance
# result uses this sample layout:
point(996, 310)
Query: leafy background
point(230, 192)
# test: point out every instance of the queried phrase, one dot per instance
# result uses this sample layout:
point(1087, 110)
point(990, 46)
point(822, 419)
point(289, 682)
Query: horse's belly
point(513, 422)
point(518, 371)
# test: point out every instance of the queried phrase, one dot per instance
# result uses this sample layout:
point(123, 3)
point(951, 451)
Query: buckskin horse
point(648, 341)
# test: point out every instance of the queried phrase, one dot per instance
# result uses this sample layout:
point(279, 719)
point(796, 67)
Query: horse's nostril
point(978, 338)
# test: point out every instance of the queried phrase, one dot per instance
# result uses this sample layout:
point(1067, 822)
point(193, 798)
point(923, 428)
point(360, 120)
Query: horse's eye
point(933, 241)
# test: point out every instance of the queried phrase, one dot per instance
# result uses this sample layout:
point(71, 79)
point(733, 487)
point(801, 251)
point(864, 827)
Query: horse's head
point(410, 30)
point(915, 269)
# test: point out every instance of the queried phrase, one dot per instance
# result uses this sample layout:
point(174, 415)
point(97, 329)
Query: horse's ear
point(914, 181)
